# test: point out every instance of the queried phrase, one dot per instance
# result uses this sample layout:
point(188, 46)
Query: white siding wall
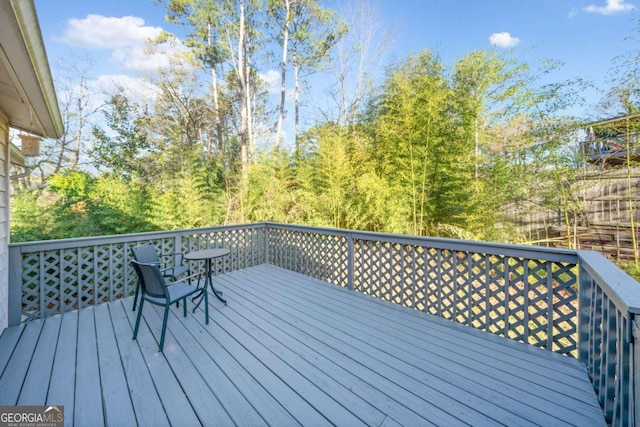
point(4, 224)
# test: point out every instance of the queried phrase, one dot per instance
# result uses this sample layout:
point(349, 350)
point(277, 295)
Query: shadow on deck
point(287, 350)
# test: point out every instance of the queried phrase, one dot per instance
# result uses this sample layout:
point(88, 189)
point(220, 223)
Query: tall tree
point(483, 82)
point(412, 131)
point(314, 32)
point(280, 13)
point(358, 57)
point(78, 105)
point(203, 18)
point(119, 149)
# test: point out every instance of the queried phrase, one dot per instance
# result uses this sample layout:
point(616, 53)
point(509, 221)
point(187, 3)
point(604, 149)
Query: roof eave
point(25, 59)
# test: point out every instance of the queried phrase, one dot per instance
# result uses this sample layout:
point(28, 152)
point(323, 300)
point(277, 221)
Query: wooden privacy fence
point(572, 302)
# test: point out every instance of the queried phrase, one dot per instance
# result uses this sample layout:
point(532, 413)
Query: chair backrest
point(151, 279)
point(146, 254)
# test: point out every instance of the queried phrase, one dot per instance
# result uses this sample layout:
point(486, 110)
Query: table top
point(206, 253)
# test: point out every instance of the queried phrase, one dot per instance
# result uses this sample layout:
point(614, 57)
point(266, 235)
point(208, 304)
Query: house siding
point(4, 224)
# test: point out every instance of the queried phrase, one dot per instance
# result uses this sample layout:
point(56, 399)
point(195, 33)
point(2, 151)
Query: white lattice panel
point(58, 280)
point(527, 300)
point(323, 256)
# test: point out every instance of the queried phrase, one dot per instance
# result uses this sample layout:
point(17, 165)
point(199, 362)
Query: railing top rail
point(524, 251)
point(80, 242)
point(621, 288)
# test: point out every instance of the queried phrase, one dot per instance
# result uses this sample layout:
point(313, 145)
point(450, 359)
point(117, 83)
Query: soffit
point(27, 95)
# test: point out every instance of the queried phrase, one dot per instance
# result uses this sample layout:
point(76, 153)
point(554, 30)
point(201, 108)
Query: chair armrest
point(173, 254)
point(146, 263)
point(164, 270)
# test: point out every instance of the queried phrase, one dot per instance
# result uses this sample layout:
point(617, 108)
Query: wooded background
point(425, 149)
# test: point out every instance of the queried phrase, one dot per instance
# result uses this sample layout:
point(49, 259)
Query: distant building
point(613, 141)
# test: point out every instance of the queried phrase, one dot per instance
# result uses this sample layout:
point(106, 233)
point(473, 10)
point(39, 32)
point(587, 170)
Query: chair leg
point(184, 307)
point(177, 302)
point(206, 306)
point(164, 326)
point(135, 298)
point(135, 330)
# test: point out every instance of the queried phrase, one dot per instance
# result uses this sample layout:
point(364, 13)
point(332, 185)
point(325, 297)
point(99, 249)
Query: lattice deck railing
point(527, 294)
point(56, 276)
point(571, 302)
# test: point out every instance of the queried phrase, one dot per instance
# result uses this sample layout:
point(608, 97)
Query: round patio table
point(208, 255)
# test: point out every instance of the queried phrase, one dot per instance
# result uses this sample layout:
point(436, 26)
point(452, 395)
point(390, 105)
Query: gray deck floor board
point(341, 405)
point(88, 409)
point(146, 402)
point(10, 338)
point(117, 405)
point(332, 363)
point(570, 381)
point(234, 403)
point(63, 375)
point(458, 402)
point(287, 350)
point(41, 363)
point(264, 403)
point(333, 366)
point(353, 374)
point(468, 373)
point(174, 400)
point(198, 392)
point(17, 366)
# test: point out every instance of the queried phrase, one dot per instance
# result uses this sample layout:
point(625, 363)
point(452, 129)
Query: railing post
point(350, 261)
point(266, 243)
point(15, 286)
point(177, 244)
point(584, 306)
point(634, 383)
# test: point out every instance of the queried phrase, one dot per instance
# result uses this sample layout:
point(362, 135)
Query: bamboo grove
point(424, 147)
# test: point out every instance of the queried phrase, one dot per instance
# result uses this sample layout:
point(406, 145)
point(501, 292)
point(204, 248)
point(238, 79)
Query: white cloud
point(272, 79)
point(613, 6)
point(102, 32)
point(125, 37)
point(139, 60)
point(503, 40)
point(138, 90)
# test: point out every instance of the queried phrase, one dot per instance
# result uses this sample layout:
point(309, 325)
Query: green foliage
point(440, 151)
point(419, 147)
point(272, 191)
point(31, 218)
point(631, 268)
point(119, 150)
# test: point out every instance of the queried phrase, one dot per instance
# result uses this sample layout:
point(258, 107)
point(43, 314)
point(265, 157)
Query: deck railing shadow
point(575, 303)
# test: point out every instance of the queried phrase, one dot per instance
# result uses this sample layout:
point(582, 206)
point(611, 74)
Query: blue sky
point(584, 34)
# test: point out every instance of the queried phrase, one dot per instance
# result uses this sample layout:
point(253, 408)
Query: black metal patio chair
point(149, 255)
point(157, 291)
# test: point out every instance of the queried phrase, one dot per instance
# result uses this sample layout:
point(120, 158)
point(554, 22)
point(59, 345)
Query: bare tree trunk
point(82, 99)
point(244, 113)
point(357, 55)
point(296, 78)
point(250, 136)
point(216, 104)
point(283, 75)
point(76, 150)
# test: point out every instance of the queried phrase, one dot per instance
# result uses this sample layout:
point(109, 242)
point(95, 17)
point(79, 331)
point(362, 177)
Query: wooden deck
point(287, 350)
